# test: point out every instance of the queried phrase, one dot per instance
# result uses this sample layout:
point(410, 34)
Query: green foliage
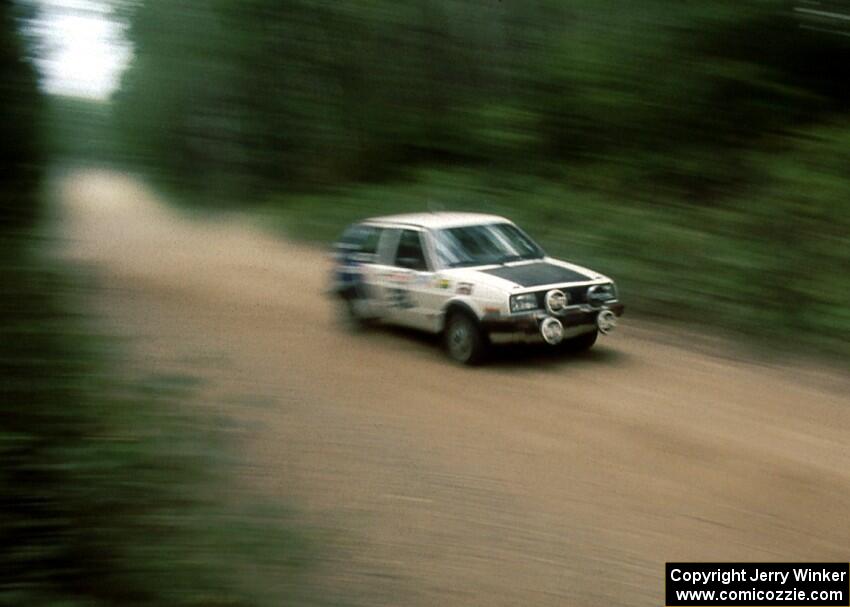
point(239, 99)
point(111, 493)
point(79, 131)
point(803, 213)
point(20, 149)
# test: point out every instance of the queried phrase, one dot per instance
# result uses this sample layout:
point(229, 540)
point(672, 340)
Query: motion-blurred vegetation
point(111, 493)
point(696, 151)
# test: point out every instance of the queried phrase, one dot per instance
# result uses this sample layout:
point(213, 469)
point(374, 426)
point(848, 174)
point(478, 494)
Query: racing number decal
point(400, 298)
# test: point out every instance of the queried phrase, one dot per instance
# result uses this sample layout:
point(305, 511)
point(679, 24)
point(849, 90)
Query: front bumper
point(576, 320)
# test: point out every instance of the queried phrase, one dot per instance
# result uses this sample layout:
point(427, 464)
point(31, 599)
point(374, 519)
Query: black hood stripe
point(534, 274)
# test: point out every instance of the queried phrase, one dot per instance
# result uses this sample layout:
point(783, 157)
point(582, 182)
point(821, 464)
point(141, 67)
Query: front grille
point(578, 295)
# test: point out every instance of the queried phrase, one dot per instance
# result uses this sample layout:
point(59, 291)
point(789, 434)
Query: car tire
point(354, 310)
point(581, 343)
point(465, 342)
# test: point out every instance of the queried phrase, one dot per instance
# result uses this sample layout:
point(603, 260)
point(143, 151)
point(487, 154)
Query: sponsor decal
point(442, 283)
point(399, 276)
point(464, 288)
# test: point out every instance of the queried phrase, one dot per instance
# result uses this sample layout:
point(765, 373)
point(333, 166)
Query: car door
point(357, 263)
point(408, 280)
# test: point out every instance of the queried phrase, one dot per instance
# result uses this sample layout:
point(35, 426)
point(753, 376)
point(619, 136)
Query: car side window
point(362, 241)
point(370, 240)
point(410, 254)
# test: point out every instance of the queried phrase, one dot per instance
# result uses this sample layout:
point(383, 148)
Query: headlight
point(599, 294)
point(520, 303)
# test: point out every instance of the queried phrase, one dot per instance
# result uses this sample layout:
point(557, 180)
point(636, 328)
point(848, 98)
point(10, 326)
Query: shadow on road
point(502, 356)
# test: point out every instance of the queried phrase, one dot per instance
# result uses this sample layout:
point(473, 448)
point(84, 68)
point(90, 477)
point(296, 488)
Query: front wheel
point(465, 342)
point(582, 342)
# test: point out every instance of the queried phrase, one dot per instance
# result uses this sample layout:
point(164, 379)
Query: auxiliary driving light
point(552, 330)
point(606, 321)
point(556, 301)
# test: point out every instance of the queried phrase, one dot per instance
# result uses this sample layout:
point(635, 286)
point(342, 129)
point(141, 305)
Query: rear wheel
point(582, 342)
point(355, 309)
point(465, 342)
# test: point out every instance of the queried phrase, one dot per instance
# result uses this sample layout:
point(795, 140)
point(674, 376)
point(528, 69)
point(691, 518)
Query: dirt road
point(533, 481)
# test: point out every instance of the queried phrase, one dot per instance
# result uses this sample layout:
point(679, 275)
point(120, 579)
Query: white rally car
point(474, 278)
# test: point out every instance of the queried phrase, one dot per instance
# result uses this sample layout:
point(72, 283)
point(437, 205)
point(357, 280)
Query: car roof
point(437, 220)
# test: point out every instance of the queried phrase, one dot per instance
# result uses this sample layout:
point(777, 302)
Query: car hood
point(538, 273)
point(527, 274)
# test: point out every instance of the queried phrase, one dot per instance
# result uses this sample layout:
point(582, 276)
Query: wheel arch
point(457, 306)
point(348, 291)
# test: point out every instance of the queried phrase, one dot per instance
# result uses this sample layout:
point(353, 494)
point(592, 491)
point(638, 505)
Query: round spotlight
point(552, 330)
point(606, 321)
point(556, 301)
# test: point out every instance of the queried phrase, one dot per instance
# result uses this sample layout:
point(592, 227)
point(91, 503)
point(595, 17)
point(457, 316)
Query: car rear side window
point(361, 239)
point(410, 254)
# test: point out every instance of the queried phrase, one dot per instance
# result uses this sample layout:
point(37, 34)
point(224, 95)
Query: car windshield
point(480, 245)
